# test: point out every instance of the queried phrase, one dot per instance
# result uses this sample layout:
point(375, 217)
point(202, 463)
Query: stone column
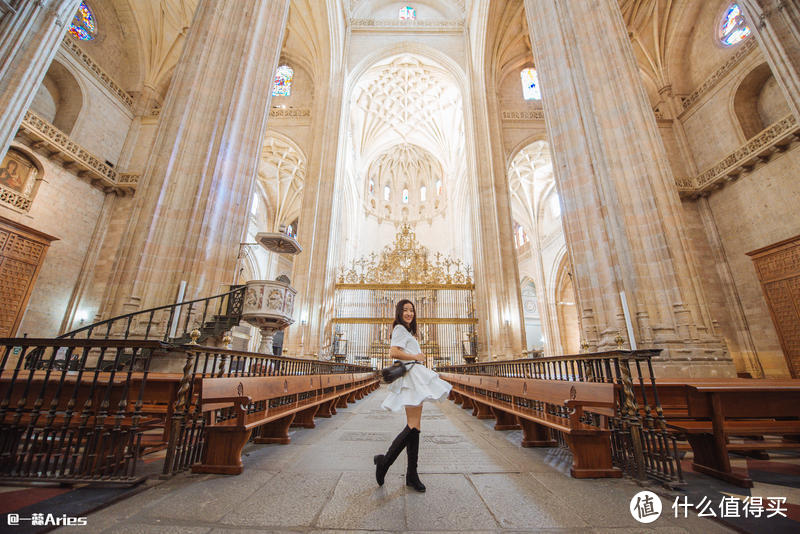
point(622, 218)
point(29, 39)
point(193, 197)
point(497, 291)
point(776, 26)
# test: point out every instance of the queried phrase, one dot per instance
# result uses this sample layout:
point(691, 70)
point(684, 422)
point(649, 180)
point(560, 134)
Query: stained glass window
point(408, 13)
point(423, 192)
point(530, 84)
point(732, 28)
point(371, 186)
point(438, 187)
point(83, 26)
point(405, 196)
point(387, 193)
point(282, 86)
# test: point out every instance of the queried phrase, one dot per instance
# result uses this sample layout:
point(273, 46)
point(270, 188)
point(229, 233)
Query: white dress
point(419, 383)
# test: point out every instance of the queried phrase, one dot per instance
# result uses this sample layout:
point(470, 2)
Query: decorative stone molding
point(406, 25)
point(533, 115)
point(776, 138)
point(290, 113)
point(70, 45)
point(718, 75)
point(128, 179)
point(44, 137)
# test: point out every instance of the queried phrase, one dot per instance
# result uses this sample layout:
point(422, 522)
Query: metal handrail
point(129, 317)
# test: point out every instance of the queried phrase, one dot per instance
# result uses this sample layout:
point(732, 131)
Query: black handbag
point(396, 370)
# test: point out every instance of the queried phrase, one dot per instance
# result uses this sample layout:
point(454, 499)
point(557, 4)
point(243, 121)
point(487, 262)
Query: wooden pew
point(302, 398)
point(718, 409)
point(525, 403)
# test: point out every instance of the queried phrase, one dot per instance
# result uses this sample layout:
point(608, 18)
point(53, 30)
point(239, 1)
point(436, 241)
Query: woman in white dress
point(410, 391)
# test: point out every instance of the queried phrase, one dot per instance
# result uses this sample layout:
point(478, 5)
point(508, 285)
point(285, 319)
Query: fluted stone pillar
point(193, 198)
point(776, 26)
point(29, 39)
point(621, 211)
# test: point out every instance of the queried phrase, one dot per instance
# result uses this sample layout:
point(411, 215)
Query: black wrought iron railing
point(171, 322)
point(641, 444)
point(87, 410)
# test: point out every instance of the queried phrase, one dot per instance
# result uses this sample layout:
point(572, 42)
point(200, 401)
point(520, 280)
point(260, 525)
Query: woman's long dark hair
point(398, 317)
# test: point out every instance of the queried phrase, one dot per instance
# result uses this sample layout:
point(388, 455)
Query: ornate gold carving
point(406, 262)
point(18, 182)
point(72, 46)
point(389, 320)
point(746, 47)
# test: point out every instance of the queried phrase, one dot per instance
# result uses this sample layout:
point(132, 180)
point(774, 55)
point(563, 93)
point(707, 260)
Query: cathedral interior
point(209, 210)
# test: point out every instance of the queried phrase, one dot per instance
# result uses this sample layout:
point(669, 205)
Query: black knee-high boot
point(412, 449)
point(384, 461)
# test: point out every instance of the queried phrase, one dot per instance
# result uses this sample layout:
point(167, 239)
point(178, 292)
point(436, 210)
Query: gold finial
point(226, 339)
point(584, 346)
point(619, 340)
point(195, 335)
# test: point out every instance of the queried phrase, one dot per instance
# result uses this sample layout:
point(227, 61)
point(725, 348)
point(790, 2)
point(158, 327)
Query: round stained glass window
point(84, 25)
point(732, 27)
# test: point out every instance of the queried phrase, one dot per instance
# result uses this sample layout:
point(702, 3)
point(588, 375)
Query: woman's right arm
point(397, 353)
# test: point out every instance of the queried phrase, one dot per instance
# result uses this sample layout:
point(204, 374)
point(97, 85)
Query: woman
point(417, 385)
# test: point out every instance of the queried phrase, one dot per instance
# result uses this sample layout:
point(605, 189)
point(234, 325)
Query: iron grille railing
point(168, 322)
point(86, 410)
point(641, 444)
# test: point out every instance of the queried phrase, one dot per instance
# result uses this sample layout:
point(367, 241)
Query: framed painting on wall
point(18, 179)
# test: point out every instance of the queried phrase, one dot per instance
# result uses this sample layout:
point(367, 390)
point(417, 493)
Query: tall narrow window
point(83, 24)
point(408, 13)
point(387, 193)
point(530, 84)
point(423, 192)
point(732, 27)
point(438, 187)
point(282, 86)
point(555, 206)
point(405, 195)
point(254, 206)
point(371, 186)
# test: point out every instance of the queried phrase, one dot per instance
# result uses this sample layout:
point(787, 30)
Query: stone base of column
point(695, 360)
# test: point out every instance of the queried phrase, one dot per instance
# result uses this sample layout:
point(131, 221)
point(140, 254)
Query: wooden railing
point(86, 410)
point(641, 444)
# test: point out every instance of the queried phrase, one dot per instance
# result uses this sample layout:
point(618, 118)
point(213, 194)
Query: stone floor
point(478, 479)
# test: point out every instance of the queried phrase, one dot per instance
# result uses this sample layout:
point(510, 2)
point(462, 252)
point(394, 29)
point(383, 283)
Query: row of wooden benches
point(526, 404)
point(47, 420)
point(716, 416)
point(269, 406)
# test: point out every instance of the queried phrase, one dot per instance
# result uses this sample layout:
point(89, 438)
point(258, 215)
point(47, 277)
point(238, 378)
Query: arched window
point(282, 86)
point(408, 13)
point(438, 187)
point(423, 193)
point(405, 195)
point(520, 237)
point(530, 84)
point(555, 206)
point(371, 186)
point(387, 193)
point(254, 206)
point(732, 27)
point(83, 26)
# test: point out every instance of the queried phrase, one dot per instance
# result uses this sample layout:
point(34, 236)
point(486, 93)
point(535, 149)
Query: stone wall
point(755, 211)
point(67, 208)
